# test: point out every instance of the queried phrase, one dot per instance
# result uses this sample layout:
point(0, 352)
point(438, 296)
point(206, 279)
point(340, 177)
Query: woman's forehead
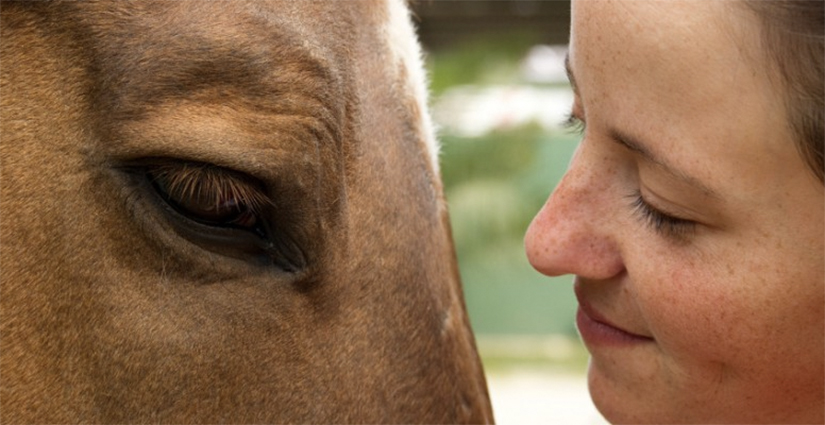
point(680, 75)
point(673, 37)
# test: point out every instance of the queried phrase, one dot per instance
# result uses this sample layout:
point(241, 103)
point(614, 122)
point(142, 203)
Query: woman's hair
point(793, 36)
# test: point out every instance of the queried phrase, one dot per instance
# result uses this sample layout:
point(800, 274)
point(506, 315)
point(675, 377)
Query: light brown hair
point(793, 34)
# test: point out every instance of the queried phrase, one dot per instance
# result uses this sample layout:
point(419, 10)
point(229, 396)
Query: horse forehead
point(237, 19)
point(252, 32)
point(257, 31)
point(152, 39)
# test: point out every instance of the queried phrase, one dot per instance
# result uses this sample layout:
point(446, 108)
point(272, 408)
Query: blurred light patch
point(473, 111)
point(545, 64)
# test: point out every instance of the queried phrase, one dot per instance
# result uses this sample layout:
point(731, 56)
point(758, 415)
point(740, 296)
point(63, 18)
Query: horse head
point(225, 212)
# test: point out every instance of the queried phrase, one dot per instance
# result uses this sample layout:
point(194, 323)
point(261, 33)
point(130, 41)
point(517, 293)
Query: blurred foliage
point(483, 60)
point(495, 184)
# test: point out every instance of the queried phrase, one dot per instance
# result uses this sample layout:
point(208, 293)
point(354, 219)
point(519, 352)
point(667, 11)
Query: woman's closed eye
point(675, 228)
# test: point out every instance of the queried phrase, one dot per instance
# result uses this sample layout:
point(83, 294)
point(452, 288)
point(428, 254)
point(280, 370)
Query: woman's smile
point(598, 330)
point(595, 330)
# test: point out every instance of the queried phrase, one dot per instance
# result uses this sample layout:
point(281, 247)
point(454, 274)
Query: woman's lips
point(595, 329)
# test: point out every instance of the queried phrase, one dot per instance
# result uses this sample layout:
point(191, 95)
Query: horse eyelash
point(190, 181)
point(660, 222)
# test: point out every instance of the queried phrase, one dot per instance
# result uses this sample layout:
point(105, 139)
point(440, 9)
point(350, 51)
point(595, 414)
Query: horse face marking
point(407, 52)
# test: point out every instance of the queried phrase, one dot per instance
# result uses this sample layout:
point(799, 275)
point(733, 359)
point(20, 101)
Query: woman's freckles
point(701, 281)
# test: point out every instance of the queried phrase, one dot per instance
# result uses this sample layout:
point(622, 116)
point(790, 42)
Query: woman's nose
point(575, 231)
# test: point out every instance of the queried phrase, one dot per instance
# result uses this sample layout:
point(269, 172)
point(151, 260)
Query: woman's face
point(692, 224)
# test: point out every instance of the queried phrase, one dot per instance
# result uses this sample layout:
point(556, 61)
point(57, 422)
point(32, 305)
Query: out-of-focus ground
point(538, 380)
point(535, 396)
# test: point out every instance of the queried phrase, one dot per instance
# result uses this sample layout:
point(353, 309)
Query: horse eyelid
point(200, 182)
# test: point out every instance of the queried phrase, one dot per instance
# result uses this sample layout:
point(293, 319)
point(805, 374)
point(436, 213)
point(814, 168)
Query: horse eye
point(223, 211)
point(209, 195)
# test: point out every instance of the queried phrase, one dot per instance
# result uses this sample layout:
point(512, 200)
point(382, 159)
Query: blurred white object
point(538, 385)
point(545, 64)
point(472, 111)
point(534, 397)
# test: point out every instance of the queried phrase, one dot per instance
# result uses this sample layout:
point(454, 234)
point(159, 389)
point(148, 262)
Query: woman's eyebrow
point(638, 147)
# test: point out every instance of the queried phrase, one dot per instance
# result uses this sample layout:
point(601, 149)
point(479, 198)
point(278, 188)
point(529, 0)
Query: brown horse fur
point(125, 297)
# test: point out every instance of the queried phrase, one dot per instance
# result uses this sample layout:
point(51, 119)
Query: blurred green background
point(496, 179)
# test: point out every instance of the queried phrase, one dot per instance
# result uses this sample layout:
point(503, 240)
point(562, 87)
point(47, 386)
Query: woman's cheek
point(693, 313)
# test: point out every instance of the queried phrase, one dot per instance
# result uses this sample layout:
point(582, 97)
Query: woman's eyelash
point(662, 223)
point(573, 124)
